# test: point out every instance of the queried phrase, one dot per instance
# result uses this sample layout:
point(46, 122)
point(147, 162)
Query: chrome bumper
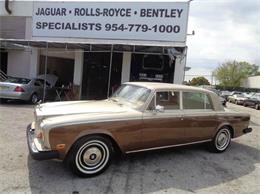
point(34, 152)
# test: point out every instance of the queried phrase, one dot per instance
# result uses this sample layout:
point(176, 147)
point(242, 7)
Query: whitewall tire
point(221, 140)
point(90, 156)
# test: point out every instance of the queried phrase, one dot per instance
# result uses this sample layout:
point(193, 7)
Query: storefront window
point(96, 74)
point(152, 67)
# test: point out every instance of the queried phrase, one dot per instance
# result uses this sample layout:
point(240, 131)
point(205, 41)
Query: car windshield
point(17, 80)
point(134, 96)
point(256, 96)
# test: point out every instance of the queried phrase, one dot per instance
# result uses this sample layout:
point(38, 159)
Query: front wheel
point(90, 156)
point(221, 140)
point(257, 106)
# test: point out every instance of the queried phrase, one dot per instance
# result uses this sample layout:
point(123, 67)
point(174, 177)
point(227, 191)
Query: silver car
point(31, 90)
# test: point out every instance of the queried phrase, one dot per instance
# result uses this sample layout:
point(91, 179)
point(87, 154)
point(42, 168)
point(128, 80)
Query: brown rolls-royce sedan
point(139, 116)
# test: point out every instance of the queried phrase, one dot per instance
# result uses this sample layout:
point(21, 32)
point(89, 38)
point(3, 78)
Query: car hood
point(78, 107)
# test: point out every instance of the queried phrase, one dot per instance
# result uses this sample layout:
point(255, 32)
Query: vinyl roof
point(156, 86)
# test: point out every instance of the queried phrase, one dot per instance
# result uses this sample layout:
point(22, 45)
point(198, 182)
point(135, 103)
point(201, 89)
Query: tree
point(199, 81)
point(233, 73)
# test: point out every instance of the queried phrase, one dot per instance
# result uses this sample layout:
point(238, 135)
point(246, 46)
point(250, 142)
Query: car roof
point(156, 86)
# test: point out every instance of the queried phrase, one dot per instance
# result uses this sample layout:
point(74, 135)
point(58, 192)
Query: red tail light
point(19, 89)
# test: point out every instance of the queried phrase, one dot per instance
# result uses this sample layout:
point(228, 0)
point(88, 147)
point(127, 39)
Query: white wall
point(59, 53)
point(78, 67)
point(34, 62)
point(18, 8)
point(18, 64)
point(252, 82)
point(179, 70)
point(126, 67)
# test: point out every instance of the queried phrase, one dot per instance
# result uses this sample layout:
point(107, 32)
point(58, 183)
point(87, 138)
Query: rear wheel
point(221, 140)
point(244, 104)
point(34, 98)
point(90, 156)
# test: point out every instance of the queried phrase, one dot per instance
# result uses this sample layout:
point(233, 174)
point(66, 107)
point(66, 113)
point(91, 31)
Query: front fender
point(68, 135)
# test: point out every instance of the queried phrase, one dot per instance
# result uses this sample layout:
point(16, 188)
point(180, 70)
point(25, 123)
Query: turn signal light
point(19, 89)
point(40, 135)
point(60, 146)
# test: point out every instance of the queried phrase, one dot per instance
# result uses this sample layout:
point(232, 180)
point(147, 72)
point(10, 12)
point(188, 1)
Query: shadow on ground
point(16, 103)
point(187, 169)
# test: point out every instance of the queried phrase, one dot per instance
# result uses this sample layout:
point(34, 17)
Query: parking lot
point(180, 170)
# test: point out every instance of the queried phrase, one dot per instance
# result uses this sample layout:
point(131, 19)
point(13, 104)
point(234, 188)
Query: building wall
point(18, 8)
point(126, 67)
point(19, 63)
point(252, 82)
point(26, 63)
point(12, 27)
point(59, 53)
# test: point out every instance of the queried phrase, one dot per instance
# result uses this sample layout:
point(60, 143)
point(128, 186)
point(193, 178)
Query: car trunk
point(8, 87)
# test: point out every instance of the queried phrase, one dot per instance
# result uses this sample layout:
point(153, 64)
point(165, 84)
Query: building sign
point(153, 21)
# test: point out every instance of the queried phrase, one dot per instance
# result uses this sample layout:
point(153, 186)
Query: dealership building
point(94, 46)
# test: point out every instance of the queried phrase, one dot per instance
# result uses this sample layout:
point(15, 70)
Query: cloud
point(224, 30)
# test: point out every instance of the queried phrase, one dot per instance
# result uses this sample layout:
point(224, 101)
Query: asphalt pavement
point(180, 170)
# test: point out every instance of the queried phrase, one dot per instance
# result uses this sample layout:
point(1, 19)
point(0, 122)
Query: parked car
point(139, 116)
point(253, 101)
point(225, 94)
point(14, 88)
point(237, 99)
point(248, 94)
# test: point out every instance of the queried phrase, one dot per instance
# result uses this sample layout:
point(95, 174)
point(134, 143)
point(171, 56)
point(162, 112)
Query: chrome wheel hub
point(92, 156)
point(223, 139)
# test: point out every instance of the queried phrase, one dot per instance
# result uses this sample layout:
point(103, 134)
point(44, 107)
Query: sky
point(224, 30)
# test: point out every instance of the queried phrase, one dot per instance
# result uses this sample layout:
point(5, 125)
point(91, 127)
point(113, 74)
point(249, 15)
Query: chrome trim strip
point(169, 146)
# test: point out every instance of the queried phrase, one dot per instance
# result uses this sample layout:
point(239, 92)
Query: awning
point(92, 45)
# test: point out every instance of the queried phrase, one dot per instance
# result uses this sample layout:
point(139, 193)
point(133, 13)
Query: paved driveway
point(179, 170)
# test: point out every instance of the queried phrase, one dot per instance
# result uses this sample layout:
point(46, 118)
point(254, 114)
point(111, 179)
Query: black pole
point(110, 68)
point(45, 72)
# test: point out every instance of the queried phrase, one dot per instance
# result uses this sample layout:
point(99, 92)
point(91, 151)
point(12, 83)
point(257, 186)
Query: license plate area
point(4, 87)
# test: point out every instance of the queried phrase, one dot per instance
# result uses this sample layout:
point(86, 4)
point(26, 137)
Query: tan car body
point(59, 125)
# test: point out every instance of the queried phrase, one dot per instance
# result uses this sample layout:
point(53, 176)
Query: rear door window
point(196, 100)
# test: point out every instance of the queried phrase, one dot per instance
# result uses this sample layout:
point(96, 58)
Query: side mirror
point(159, 108)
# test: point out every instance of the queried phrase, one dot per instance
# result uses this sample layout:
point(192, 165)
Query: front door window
point(168, 100)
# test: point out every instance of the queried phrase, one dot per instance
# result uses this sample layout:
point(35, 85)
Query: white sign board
point(152, 21)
